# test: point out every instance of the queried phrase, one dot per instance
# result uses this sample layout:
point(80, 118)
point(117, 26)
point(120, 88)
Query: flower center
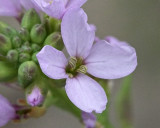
point(75, 66)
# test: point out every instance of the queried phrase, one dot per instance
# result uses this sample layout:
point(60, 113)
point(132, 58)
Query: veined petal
point(86, 94)
point(111, 60)
point(77, 34)
point(52, 62)
point(10, 8)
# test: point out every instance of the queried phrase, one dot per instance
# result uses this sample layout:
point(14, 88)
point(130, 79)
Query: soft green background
point(137, 22)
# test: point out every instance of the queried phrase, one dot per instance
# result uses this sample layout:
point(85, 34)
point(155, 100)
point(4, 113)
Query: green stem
point(123, 103)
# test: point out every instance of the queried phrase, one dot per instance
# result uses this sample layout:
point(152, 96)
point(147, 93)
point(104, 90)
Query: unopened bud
point(12, 56)
point(7, 30)
point(35, 98)
point(7, 71)
point(38, 33)
point(55, 24)
point(34, 57)
point(89, 120)
point(55, 41)
point(27, 73)
point(16, 42)
point(24, 34)
point(35, 47)
point(24, 57)
point(30, 18)
point(5, 44)
point(26, 49)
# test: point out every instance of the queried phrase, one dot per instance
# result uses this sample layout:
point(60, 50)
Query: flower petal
point(6, 110)
point(10, 8)
point(55, 8)
point(77, 35)
point(114, 41)
point(111, 60)
point(86, 93)
point(28, 4)
point(52, 62)
point(75, 3)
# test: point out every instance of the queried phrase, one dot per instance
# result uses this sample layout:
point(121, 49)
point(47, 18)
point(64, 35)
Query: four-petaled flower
point(103, 60)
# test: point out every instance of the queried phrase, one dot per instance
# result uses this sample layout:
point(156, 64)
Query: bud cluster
point(19, 47)
point(18, 50)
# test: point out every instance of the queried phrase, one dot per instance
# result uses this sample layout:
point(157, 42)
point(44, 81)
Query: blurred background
point(138, 23)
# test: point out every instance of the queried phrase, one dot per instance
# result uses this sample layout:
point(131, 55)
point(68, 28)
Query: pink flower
point(102, 59)
point(57, 8)
point(7, 112)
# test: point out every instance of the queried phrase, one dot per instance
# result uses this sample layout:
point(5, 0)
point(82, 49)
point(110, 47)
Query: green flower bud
point(35, 47)
point(55, 41)
point(27, 73)
point(12, 56)
point(16, 42)
point(5, 44)
point(52, 25)
point(7, 71)
point(27, 43)
point(24, 34)
point(55, 24)
point(38, 33)
point(26, 49)
point(24, 57)
point(34, 58)
point(30, 18)
point(7, 30)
